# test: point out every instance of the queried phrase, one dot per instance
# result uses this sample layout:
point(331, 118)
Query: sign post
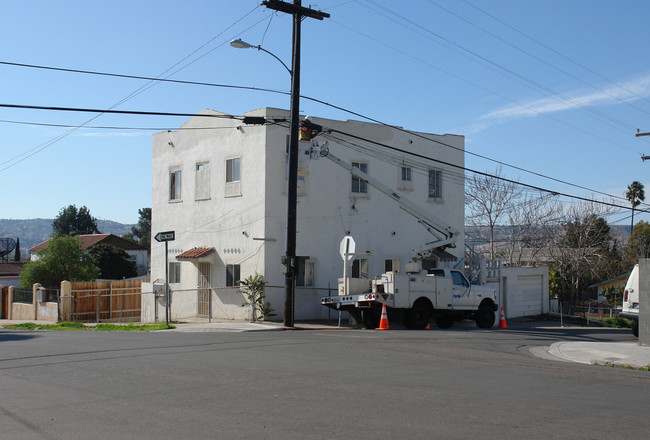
point(347, 248)
point(166, 237)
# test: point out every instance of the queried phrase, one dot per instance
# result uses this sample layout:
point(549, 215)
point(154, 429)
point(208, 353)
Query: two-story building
point(221, 186)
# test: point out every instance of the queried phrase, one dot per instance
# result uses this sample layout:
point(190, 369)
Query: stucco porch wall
point(48, 311)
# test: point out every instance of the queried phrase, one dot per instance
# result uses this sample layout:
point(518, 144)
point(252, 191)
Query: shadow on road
point(15, 336)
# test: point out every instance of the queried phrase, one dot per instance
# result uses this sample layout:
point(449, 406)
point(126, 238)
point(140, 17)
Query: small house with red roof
point(138, 253)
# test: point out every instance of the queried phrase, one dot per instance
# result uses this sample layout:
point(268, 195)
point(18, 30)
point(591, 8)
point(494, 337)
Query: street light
point(241, 44)
point(292, 178)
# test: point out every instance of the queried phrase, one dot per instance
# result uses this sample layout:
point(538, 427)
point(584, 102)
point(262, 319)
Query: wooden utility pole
point(298, 11)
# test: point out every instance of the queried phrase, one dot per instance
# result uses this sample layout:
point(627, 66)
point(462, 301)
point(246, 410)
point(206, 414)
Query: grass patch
point(98, 327)
point(59, 326)
point(133, 327)
point(616, 322)
point(627, 367)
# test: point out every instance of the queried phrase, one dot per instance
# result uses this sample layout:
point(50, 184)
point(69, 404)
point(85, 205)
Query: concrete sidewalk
point(603, 353)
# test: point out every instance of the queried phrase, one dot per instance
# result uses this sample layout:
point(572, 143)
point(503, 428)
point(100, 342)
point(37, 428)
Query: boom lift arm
point(445, 234)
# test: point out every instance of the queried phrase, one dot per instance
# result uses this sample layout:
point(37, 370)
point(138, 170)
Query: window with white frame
point(360, 268)
point(435, 184)
point(202, 183)
point(233, 170)
point(391, 265)
point(406, 174)
point(174, 272)
point(175, 185)
point(359, 185)
point(233, 275)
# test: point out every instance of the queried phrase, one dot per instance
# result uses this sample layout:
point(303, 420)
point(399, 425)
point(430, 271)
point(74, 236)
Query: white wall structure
point(524, 291)
point(221, 186)
point(644, 302)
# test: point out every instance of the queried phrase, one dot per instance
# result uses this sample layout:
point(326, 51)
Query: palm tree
point(635, 195)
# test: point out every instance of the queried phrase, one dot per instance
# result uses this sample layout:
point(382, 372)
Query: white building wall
point(524, 291)
point(250, 230)
point(141, 257)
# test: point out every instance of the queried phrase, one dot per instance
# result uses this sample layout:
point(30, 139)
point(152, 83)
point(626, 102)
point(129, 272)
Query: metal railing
point(23, 296)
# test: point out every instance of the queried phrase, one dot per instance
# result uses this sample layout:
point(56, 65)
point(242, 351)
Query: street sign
point(347, 248)
point(165, 236)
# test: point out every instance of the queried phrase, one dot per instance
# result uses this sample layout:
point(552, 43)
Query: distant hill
point(34, 231)
point(501, 233)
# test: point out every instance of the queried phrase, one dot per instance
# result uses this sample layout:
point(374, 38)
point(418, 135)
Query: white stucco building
point(221, 187)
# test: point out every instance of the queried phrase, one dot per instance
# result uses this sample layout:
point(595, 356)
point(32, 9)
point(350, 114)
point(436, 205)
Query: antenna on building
point(7, 246)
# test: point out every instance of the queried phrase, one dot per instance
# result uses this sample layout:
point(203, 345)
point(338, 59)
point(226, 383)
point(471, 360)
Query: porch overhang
point(196, 254)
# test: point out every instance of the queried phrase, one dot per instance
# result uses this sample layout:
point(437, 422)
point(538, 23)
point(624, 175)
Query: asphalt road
point(319, 384)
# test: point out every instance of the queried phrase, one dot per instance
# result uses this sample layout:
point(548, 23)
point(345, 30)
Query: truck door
point(444, 291)
point(461, 291)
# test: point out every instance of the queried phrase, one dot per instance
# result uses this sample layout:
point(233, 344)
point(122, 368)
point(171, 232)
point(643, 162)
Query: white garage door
point(527, 295)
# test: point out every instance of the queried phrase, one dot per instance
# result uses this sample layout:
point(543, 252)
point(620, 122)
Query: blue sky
point(555, 87)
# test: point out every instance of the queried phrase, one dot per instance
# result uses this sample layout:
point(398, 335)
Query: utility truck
point(444, 294)
point(630, 308)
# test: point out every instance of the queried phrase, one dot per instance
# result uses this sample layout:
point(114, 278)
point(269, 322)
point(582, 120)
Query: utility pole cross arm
point(295, 9)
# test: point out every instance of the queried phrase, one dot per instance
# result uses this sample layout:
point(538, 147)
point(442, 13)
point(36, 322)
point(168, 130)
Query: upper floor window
point(202, 184)
point(406, 174)
point(232, 170)
point(359, 185)
point(175, 185)
point(435, 184)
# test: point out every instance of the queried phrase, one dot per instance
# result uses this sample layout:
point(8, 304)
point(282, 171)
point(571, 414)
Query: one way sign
point(165, 236)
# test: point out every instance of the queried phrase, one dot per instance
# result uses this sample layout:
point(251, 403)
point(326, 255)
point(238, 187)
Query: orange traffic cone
point(502, 320)
point(383, 322)
point(428, 327)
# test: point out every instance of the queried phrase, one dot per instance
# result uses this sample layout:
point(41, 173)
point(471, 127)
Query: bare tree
point(530, 223)
point(488, 200)
point(582, 247)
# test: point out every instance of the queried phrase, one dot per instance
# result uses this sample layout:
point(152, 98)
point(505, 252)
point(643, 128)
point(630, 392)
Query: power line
point(257, 89)
point(481, 173)
point(501, 68)
point(539, 59)
point(473, 84)
point(29, 153)
point(121, 112)
point(556, 52)
point(110, 127)
point(226, 116)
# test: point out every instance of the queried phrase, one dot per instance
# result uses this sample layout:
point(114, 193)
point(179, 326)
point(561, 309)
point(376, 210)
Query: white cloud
point(629, 91)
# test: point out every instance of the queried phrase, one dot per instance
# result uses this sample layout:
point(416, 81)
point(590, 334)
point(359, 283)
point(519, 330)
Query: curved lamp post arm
point(240, 44)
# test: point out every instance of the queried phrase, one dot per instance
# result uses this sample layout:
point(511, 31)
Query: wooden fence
point(106, 300)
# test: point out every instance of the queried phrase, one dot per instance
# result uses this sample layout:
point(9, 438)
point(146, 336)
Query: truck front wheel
point(485, 316)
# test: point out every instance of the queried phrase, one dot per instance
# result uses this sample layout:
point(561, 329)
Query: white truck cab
point(630, 308)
